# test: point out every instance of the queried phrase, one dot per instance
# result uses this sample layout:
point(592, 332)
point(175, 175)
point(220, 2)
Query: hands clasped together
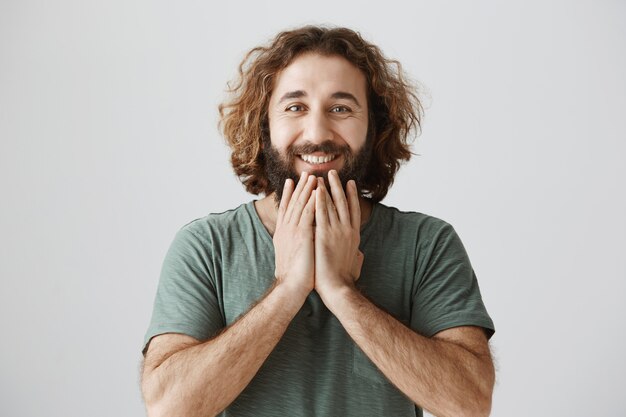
point(317, 238)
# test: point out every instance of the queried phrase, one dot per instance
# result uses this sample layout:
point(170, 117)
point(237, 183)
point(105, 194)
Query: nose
point(318, 128)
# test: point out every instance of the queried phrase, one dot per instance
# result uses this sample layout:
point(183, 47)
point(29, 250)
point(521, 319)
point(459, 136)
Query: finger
point(330, 207)
point(308, 214)
point(295, 195)
point(321, 215)
point(339, 198)
point(355, 208)
point(284, 201)
point(303, 198)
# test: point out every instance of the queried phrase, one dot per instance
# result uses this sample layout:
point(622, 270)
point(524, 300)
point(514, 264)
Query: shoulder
point(424, 227)
point(227, 222)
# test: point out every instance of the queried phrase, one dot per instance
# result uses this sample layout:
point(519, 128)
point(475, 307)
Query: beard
point(279, 168)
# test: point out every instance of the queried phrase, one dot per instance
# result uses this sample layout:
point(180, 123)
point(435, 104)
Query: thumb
point(357, 264)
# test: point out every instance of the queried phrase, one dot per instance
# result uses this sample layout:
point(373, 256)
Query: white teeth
point(312, 159)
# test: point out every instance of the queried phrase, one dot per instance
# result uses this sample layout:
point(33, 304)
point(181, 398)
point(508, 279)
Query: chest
point(244, 276)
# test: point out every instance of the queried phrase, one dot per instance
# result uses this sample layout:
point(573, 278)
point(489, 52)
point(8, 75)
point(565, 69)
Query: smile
point(315, 159)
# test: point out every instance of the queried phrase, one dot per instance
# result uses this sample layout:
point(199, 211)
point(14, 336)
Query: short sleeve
point(446, 293)
point(186, 300)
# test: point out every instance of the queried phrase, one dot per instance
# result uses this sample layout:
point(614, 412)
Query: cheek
point(355, 134)
point(282, 133)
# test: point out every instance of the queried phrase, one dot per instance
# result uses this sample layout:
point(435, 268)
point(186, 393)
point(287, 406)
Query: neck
point(267, 209)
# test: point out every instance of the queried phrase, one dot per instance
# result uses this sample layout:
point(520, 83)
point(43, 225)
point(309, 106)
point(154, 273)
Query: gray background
point(109, 145)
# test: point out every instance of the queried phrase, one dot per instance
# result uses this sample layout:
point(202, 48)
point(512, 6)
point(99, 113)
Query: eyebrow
point(337, 95)
point(346, 96)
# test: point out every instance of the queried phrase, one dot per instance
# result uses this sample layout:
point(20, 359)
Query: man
point(317, 300)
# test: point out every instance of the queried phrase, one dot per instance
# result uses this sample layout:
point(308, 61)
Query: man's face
point(318, 121)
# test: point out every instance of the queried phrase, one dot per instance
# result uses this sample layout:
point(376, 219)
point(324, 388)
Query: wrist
point(290, 294)
point(337, 296)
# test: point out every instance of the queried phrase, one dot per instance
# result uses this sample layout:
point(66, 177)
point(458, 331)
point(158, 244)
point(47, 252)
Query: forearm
point(439, 376)
point(204, 379)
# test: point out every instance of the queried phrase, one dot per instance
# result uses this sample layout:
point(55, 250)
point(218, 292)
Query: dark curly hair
point(394, 108)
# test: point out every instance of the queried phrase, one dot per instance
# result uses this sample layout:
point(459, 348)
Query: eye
point(294, 108)
point(340, 109)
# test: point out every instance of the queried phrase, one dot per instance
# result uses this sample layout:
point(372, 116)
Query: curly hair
point(394, 107)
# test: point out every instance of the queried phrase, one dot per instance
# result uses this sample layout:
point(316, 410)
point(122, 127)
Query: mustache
point(325, 147)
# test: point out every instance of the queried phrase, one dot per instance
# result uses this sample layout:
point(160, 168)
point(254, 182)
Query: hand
point(338, 260)
point(294, 236)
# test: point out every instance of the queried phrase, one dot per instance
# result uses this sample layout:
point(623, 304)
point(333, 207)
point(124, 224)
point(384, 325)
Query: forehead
point(321, 75)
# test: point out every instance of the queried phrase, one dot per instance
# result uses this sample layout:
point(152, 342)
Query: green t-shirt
point(415, 268)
